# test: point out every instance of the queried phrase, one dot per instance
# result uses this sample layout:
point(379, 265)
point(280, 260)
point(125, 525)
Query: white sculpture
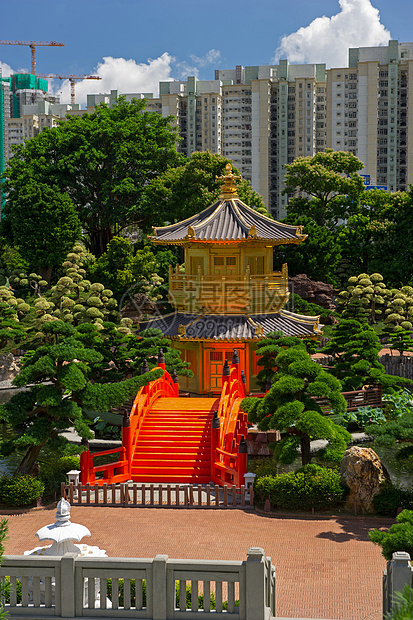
point(63, 532)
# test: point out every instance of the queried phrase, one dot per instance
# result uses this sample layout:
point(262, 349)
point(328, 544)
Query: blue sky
point(133, 44)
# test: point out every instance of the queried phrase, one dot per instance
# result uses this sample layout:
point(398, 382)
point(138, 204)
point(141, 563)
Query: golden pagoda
point(228, 296)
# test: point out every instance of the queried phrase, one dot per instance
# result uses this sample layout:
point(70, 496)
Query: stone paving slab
point(326, 568)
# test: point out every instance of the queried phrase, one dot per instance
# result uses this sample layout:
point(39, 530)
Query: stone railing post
point(398, 574)
point(67, 585)
point(159, 593)
point(255, 567)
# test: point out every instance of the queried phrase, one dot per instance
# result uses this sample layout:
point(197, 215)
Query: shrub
point(310, 487)
point(20, 490)
point(53, 473)
point(398, 538)
point(262, 467)
point(390, 499)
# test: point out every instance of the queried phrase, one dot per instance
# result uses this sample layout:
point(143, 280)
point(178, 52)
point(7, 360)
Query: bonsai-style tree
point(355, 347)
point(12, 312)
point(400, 340)
point(370, 291)
point(59, 376)
point(290, 405)
point(399, 536)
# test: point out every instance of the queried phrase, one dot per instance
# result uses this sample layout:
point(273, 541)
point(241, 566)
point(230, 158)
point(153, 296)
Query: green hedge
point(20, 490)
point(310, 487)
point(390, 499)
point(53, 473)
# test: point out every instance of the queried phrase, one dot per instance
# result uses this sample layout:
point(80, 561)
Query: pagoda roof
point(228, 220)
point(237, 327)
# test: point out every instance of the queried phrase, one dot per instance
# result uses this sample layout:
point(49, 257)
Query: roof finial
point(228, 188)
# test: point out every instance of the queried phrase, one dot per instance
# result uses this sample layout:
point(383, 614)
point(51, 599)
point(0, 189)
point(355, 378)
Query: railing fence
point(156, 589)
point(159, 495)
point(398, 574)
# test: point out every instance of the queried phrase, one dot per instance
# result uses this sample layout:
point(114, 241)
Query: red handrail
point(227, 465)
point(147, 395)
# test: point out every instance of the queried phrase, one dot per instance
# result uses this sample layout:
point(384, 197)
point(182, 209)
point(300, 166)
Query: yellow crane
point(72, 79)
point(33, 45)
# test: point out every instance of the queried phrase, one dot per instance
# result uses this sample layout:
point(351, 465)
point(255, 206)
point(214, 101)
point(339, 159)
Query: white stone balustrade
point(148, 585)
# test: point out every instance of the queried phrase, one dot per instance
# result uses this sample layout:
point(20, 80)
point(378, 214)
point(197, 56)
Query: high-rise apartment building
point(261, 118)
point(368, 112)
point(26, 109)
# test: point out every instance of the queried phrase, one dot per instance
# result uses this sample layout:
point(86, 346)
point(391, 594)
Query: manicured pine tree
point(59, 376)
point(289, 405)
point(355, 347)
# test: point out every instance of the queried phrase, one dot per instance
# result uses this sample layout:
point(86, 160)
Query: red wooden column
point(176, 383)
point(145, 369)
point(242, 461)
point(244, 383)
point(235, 364)
point(226, 371)
point(161, 359)
point(215, 432)
point(127, 441)
point(86, 465)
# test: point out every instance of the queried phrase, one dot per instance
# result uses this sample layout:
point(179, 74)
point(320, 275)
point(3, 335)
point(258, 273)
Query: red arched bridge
point(167, 438)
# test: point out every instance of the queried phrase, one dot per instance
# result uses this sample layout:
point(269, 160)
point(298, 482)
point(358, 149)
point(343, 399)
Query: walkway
point(326, 568)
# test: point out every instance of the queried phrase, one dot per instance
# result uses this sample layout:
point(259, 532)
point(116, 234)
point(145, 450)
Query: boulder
point(364, 474)
point(8, 367)
point(314, 292)
point(137, 306)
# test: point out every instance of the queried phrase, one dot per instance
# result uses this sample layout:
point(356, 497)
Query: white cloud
point(126, 76)
point(209, 58)
point(184, 68)
point(327, 39)
point(6, 70)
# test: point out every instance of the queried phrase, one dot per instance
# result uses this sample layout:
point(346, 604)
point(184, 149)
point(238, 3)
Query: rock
point(314, 292)
point(8, 367)
point(362, 471)
point(137, 306)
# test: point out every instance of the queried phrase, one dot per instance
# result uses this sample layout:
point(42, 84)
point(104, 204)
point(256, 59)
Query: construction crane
point(33, 45)
point(72, 79)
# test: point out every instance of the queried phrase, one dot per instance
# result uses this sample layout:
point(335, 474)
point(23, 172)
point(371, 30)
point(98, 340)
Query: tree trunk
point(46, 273)
point(99, 240)
point(28, 460)
point(305, 450)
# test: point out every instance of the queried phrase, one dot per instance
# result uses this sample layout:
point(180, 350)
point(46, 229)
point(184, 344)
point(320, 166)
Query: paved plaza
point(326, 568)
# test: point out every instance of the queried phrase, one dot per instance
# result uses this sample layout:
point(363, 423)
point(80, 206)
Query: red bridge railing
point(229, 429)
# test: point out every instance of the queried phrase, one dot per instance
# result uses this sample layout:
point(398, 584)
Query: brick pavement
point(326, 568)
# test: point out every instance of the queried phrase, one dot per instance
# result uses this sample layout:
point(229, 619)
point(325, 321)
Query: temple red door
point(214, 360)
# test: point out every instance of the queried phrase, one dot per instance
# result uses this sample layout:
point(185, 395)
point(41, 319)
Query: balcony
point(229, 294)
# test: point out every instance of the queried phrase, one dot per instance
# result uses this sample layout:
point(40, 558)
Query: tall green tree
point(59, 377)
point(289, 405)
point(318, 256)
point(185, 190)
point(103, 161)
point(331, 181)
point(43, 223)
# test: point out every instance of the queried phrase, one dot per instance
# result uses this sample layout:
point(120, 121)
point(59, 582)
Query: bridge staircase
point(178, 440)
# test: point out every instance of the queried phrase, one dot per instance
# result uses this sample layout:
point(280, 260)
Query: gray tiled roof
point(229, 220)
point(233, 327)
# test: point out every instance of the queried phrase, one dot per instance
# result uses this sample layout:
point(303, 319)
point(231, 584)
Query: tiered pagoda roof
point(237, 327)
point(227, 221)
